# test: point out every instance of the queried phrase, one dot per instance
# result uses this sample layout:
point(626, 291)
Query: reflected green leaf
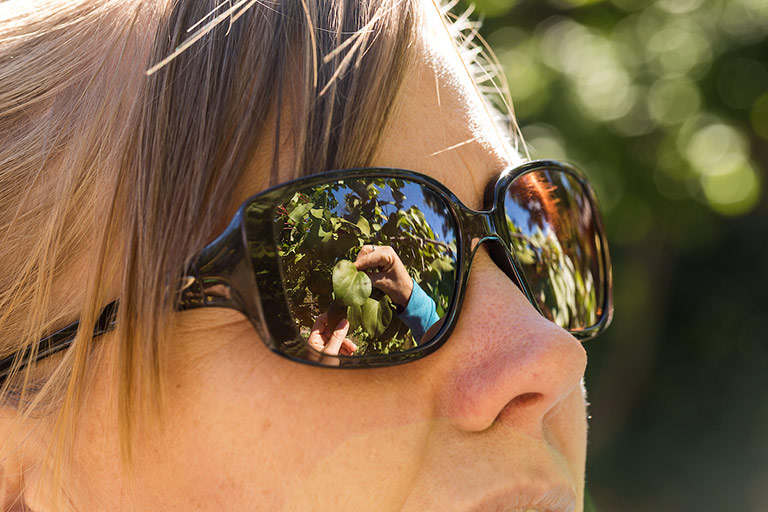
point(354, 317)
point(298, 213)
point(443, 264)
point(377, 315)
point(364, 226)
point(350, 286)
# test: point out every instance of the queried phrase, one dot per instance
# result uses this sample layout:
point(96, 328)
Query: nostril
point(518, 382)
point(521, 402)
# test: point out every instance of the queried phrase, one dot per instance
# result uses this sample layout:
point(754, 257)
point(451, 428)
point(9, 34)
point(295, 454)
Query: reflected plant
point(568, 296)
point(351, 290)
point(323, 229)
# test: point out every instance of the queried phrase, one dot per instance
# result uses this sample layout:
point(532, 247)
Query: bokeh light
point(642, 72)
point(742, 81)
point(680, 47)
point(664, 104)
point(673, 100)
point(759, 116)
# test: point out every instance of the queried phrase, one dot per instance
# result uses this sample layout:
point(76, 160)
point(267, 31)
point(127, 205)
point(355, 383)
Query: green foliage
point(351, 287)
point(559, 285)
point(377, 314)
point(324, 229)
point(664, 103)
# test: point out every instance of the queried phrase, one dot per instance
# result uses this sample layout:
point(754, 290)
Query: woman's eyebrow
point(490, 186)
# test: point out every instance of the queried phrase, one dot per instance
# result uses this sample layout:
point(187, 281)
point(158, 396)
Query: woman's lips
point(534, 498)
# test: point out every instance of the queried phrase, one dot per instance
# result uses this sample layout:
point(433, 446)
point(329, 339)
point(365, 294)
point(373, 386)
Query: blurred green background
point(664, 103)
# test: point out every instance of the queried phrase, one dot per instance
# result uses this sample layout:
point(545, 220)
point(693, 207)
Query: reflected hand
point(386, 271)
point(331, 341)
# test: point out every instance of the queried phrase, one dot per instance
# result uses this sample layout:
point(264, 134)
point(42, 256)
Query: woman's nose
point(507, 363)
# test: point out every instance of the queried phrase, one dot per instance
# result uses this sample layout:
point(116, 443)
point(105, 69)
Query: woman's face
point(494, 420)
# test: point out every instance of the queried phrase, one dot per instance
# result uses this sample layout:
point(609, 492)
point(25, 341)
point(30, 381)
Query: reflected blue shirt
point(420, 314)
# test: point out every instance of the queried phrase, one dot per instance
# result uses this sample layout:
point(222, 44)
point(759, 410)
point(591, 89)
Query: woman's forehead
point(441, 125)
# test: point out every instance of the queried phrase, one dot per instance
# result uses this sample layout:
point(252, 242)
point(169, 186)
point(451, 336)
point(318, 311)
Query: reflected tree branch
point(423, 241)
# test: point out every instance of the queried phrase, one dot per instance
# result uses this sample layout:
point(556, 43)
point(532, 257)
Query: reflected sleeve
point(420, 313)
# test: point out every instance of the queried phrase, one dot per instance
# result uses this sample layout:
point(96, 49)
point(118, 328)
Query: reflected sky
point(415, 196)
point(555, 245)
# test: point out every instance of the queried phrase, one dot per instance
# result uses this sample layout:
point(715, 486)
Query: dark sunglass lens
point(555, 236)
point(378, 252)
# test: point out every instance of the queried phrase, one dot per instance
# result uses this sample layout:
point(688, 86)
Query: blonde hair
point(111, 179)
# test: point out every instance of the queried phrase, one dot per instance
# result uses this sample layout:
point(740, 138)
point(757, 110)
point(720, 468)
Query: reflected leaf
point(364, 226)
point(444, 264)
point(377, 315)
point(298, 213)
point(350, 286)
point(324, 235)
point(398, 195)
point(354, 317)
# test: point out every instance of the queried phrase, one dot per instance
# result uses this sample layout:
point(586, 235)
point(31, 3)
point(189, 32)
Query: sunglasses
point(368, 267)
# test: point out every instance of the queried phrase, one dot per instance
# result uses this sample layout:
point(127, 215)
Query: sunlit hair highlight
point(486, 73)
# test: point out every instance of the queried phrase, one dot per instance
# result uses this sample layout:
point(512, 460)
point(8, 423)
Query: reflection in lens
point(552, 230)
point(380, 252)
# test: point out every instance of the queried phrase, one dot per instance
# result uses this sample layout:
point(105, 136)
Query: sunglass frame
point(222, 276)
point(221, 273)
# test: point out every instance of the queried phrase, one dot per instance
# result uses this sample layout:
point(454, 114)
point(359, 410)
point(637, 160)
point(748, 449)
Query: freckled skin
point(500, 403)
